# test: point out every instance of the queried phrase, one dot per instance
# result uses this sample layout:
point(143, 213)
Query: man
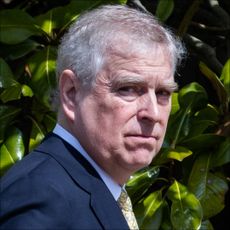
point(115, 70)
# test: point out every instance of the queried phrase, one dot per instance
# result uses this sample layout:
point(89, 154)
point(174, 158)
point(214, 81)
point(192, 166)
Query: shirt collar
point(113, 187)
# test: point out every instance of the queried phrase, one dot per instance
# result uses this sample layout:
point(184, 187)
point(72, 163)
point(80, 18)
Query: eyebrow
point(126, 80)
point(171, 86)
point(135, 80)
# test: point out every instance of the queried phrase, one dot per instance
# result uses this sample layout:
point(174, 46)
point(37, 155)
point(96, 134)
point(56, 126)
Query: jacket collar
point(80, 170)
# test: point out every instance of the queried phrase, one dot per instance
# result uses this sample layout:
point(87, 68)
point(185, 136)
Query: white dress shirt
point(113, 187)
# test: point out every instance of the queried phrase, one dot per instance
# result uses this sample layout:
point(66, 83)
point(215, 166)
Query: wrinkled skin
point(121, 121)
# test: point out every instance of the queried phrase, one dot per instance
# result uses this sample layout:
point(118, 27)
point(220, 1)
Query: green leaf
point(206, 225)
point(179, 153)
point(6, 75)
point(215, 192)
point(178, 126)
point(149, 212)
point(141, 181)
point(143, 175)
point(198, 176)
point(222, 155)
point(42, 69)
point(27, 91)
point(122, 2)
point(186, 210)
point(7, 115)
point(62, 17)
point(20, 50)
point(225, 76)
point(5, 159)
point(12, 87)
point(202, 121)
point(175, 104)
point(15, 91)
point(207, 187)
point(191, 98)
point(16, 26)
point(162, 156)
point(202, 141)
point(164, 9)
point(49, 121)
point(217, 85)
point(209, 113)
point(11, 93)
point(37, 134)
point(47, 21)
point(193, 95)
point(12, 149)
point(14, 144)
point(166, 221)
point(199, 126)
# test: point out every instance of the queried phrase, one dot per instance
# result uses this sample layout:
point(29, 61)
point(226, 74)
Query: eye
point(130, 92)
point(126, 90)
point(163, 96)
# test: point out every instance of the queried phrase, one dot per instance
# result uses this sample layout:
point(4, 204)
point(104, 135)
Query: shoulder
point(38, 166)
point(31, 165)
point(38, 171)
point(41, 191)
point(48, 189)
point(35, 201)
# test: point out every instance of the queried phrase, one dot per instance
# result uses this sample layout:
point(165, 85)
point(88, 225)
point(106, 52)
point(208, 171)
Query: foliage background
point(186, 186)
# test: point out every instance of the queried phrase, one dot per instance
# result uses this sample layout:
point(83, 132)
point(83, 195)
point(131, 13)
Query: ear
point(69, 86)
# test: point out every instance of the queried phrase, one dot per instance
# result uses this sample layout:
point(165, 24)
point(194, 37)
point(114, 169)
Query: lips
point(144, 136)
point(136, 142)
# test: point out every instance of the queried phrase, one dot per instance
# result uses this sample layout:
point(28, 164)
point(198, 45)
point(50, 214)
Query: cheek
point(108, 118)
point(166, 113)
point(117, 112)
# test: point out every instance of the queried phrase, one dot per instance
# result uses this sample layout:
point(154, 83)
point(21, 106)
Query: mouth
point(140, 142)
point(143, 136)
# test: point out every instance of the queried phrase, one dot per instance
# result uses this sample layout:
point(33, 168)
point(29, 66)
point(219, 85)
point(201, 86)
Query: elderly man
point(115, 71)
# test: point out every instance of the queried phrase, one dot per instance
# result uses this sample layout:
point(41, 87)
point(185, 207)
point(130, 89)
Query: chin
point(137, 166)
point(144, 163)
point(142, 160)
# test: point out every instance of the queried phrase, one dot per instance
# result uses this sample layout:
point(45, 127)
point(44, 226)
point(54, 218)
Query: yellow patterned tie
point(127, 210)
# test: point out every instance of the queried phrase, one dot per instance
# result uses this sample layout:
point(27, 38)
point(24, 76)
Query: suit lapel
point(81, 171)
point(106, 208)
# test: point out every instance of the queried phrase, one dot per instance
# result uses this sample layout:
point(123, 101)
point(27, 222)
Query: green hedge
point(186, 184)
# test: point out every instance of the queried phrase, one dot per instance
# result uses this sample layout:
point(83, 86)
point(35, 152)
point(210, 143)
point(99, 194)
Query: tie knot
point(127, 210)
point(125, 202)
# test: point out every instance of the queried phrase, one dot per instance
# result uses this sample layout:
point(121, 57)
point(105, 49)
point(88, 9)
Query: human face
point(121, 121)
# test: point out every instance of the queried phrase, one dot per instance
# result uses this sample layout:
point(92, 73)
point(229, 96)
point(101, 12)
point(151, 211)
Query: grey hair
point(84, 48)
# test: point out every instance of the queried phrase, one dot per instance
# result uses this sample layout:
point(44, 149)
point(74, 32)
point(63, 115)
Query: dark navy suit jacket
point(54, 187)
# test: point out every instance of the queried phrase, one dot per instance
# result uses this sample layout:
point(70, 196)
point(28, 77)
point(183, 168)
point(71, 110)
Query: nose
point(149, 109)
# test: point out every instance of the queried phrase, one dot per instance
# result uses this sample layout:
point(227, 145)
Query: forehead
point(154, 64)
point(154, 55)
